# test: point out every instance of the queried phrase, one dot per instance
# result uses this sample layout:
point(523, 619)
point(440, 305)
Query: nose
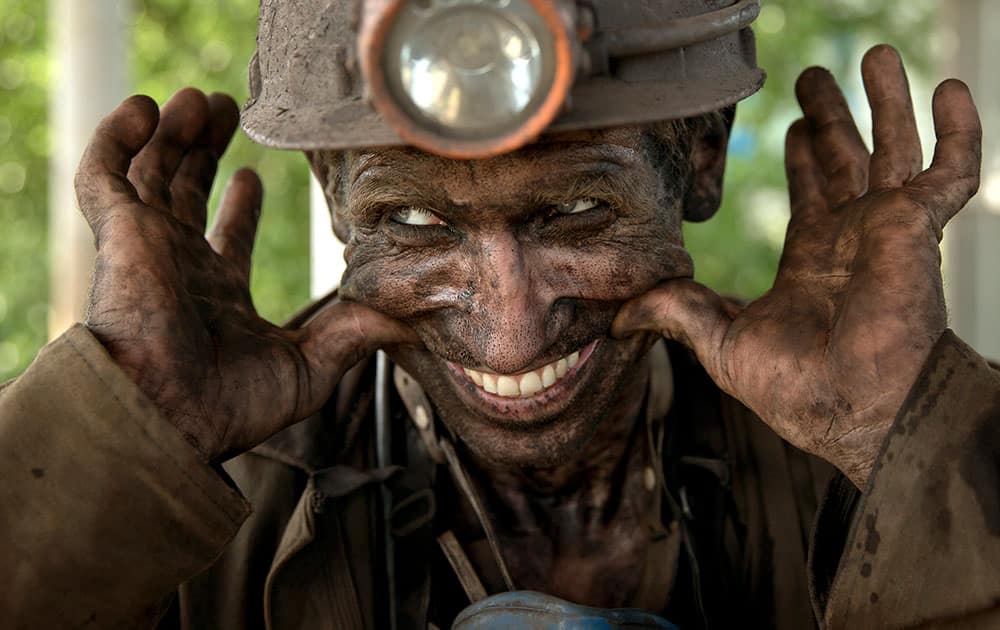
point(511, 307)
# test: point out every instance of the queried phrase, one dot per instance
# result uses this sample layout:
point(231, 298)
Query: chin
point(562, 441)
point(536, 419)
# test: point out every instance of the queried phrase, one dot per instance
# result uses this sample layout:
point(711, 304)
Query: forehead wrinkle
point(605, 180)
point(584, 175)
point(575, 152)
point(570, 150)
point(543, 170)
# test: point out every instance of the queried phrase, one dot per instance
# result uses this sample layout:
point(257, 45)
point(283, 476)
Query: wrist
point(856, 453)
point(135, 361)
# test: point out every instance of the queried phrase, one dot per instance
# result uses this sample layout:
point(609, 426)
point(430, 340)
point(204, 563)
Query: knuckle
point(968, 187)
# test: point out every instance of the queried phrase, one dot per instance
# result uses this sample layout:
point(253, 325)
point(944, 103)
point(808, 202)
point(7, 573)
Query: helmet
point(476, 78)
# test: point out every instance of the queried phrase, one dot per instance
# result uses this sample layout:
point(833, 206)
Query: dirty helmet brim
point(307, 92)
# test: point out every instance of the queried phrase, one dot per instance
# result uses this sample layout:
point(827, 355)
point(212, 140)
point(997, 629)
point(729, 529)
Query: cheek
point(402, 282)
point(612, 274)
point(617, 267)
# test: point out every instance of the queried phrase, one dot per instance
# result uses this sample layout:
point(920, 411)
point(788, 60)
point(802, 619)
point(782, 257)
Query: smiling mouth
point(533, 383)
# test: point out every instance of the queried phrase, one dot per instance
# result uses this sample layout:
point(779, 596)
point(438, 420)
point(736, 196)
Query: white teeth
point(477, 377)
point(548, 376)
point(531, 384)
point(561, 368)
point(507, 386)
point(490, 383)
point(527, 384)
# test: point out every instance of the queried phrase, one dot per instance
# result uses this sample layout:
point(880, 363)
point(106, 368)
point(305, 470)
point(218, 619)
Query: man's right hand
point(174, 309)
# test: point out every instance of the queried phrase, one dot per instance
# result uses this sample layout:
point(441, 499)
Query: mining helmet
point(476, 78)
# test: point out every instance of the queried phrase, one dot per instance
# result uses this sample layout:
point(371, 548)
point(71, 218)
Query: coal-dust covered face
point(511, 270)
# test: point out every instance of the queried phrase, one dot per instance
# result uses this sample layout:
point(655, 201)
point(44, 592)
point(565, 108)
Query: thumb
point(684, 311)
point(343, 333)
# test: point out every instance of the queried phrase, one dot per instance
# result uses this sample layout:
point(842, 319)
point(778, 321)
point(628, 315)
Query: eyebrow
point(582, 169)
point(600, 180)
point(383, 186)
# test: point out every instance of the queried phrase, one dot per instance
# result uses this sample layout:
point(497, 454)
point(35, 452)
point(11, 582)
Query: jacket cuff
point(114, 508)
point(923, 541)
point(829, 538)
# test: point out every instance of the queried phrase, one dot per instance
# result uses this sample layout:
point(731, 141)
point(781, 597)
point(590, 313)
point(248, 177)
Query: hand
point(828, 355)
point(173, 309)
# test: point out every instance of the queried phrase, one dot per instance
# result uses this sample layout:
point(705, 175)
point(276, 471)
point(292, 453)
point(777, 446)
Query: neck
point(570, 530)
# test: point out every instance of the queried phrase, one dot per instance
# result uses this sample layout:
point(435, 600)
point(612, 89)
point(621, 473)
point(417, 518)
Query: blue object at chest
point(529, 610)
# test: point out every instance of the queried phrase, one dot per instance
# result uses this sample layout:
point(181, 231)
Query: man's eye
point(576, 207)
point(416, 216)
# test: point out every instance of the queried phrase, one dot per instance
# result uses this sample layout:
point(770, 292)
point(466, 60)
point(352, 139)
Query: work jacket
point(110, 519)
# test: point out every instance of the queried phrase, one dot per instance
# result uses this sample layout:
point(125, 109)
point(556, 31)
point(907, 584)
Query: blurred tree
point(24, 86)
point(207, 44)
point(737, 251)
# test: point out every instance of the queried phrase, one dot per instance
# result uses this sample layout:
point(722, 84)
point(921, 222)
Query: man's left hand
point(828, 355)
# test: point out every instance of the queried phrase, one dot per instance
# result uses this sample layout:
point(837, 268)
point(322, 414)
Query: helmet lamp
point(467, 78)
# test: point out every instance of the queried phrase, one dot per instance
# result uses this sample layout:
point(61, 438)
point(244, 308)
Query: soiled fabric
point(111, 520)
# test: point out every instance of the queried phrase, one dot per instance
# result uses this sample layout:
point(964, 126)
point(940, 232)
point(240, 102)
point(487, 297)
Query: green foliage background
point(207, 44)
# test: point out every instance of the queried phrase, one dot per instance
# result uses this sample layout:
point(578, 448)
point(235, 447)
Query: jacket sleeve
point(921, 545)
point(106, 508)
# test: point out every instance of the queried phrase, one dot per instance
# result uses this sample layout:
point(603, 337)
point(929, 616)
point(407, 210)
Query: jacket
point(111, 520)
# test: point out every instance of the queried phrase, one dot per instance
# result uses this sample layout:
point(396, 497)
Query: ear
point(708, 156)
point(329, 167)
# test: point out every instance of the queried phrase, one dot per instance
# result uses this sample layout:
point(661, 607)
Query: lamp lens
point(472, 67)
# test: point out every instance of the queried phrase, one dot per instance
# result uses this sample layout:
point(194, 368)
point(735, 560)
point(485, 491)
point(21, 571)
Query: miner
point(519, 410)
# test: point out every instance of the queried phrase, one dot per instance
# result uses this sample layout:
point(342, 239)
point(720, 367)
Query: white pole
point(89, 44)
point(972, 256)
point(326, 252)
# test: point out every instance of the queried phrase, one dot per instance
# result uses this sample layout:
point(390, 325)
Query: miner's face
point(511, 270)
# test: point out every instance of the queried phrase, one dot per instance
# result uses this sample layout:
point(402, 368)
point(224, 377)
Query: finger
point(339, 336)
point(684, 311)
point(181, 122)
point(101, 179)
point(192, 184)
point(224, 118)
point(806, 181)
point(953, 176)
point(235, 227)
point(806, 186)
point(348, 331)
point(897, 156)
point(841, 151)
